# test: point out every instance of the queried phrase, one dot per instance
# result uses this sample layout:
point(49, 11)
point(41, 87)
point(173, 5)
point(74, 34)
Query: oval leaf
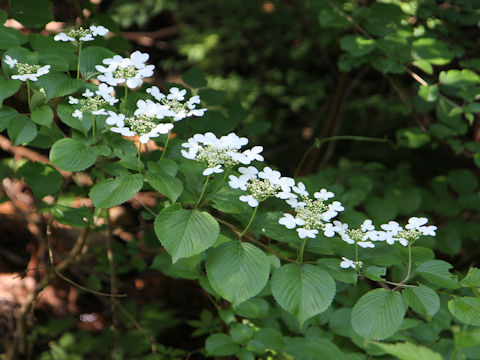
point(423, 300)
point(436, 271)
point(466, 309)
point(185, 233)
point(378, 314)
point(303, 290)
point(111, 192)
point(72, 155)
point(237, 271)
point(168, 185)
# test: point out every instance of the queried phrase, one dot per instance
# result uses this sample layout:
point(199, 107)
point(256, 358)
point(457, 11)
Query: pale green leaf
point(409, 351)
point(303, 290)
point(423, 300)
point(237, 270)
point(378, 314)
point(466, 309)
point(112, 192)
point(185, 233)
point(72, 155)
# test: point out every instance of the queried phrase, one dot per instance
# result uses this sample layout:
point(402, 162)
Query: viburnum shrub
point(298, 280)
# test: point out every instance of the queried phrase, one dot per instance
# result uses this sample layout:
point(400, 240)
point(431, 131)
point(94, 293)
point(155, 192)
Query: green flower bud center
point(24, 69)
point(92, 104)
point(262, 188)
point(79, 33)
point(141, 124)
point(214, 156)
point(311, 213)
point(127, 72)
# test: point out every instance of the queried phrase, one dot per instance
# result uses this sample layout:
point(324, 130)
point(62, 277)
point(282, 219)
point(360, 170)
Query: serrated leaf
point(195, 78)
point(72, 155)
point(8, 88)
point(472, 278)
point(188, 268)
point(375, 273)
point(237, 270)
point(432, 50)
point(241, 333)
point(305, 349)
point(409, 351)
point(185, 233)
point(43, 179)
point(43, 115)
point(253, 308)
point(378, 314)
point(303, 290)
point(466, 309)
point(436, 271)
point(112, 192)
point(165, 184)
point(423, 300)
point(91, 56)
point(22, 130)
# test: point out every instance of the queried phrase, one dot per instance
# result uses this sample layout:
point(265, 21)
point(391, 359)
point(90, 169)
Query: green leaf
point(43, 115)
point(466, 309)
point(22, 130)
point(303, 290)
point(220, 345)
point(195, 78)
point(185, 233)
point(429, 93)
point(472, 279)
point(301, 348)
point(375, 273)
point(43, 179)
point(462, 180)
point(432, 50)
point(33, 14)
point(165, 184)
point(255, 308)
point(378, 314)
point(8, 88)
point(436, 271)
point(241, 333)
point(91, 56)
point(7, 40)
point(7, 115)
point(112, 192)
point(423, 300)
point(357, 45)
point(237, 270)
point(72, 155)
point(188, 268)
point(76, 217)
point(409, 351)
point(58, 84)
point(331, 265)
point(412, 138)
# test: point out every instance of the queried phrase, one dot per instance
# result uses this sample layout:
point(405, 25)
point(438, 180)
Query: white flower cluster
point(261, 185)
point(311, 215)
point(81, 34)
point(144, 122)
point(366, 235)
point(218, 153)
point(93, 102)
point(121, 70)
point(174, 102)
point(26, 71)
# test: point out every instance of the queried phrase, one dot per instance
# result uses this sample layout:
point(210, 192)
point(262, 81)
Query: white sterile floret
point(105, 92)
point(290, 222)
point(98, 30)
point(428, 230)
point(367, 225)
point(10, 61)
point(88, 93)
point(392, 227)
point(215, 152)
point(415, 223)
point(63, 37)
point(353, 236)
point(176, 94)
point(300, 189)
point(238, 182)
point(324, 194)
point(211, 170)
point(250, 200)
point(155, 92)
point(304, 233)
point(347, 263)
